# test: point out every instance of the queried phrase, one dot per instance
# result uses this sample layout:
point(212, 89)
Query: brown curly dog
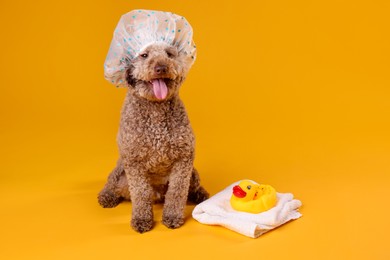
point(156, 142)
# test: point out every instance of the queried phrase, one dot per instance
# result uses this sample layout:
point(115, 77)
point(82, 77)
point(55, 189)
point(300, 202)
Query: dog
point(156, 142)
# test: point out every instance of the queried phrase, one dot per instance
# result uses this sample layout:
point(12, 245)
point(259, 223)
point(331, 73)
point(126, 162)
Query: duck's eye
point(144, 55)
point(249, 187)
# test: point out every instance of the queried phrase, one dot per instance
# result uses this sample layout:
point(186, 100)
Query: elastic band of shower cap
point(140, 28)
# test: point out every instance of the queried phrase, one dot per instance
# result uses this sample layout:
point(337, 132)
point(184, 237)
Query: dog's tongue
point(160, 88)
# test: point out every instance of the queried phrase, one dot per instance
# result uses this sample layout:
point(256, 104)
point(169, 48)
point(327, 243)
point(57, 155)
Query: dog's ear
point(129, 76)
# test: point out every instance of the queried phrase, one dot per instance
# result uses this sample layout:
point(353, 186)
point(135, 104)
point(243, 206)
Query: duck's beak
point(238, 192)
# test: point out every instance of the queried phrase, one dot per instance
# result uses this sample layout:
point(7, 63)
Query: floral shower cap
point(137, 30)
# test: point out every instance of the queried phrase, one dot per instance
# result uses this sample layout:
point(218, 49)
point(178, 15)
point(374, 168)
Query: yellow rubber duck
point(253, 198)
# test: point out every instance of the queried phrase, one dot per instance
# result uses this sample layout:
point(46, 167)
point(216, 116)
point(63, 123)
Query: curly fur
point(156, 143)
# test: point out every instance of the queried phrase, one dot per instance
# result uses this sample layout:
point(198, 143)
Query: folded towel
point(218, 211)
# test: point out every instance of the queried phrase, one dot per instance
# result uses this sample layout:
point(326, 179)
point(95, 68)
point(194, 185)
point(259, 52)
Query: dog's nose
point(160, 69)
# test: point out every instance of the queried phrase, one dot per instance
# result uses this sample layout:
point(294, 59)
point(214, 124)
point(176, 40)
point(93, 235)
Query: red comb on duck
point(238, 192)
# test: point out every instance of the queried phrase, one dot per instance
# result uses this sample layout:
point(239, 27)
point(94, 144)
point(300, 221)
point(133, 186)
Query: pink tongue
point(160, 88)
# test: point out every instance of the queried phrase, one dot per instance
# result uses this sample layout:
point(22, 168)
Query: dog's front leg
point(176, 196)
point(141, 193)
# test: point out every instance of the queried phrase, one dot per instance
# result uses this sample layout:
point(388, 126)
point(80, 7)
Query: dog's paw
point(173, 221)
point(141, 225)
point(107, 199)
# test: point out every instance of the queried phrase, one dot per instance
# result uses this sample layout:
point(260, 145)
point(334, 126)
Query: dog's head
point(157, 72)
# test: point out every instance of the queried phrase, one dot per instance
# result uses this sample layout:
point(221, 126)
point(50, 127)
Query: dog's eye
point(144, 55)
point(170, 55)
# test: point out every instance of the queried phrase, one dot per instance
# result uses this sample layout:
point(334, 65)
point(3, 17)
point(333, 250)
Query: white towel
point(218, 211)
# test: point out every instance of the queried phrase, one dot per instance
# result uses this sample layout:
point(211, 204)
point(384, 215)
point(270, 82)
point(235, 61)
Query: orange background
point(290, 93)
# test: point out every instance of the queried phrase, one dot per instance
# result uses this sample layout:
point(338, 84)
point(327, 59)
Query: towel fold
point(218, 211)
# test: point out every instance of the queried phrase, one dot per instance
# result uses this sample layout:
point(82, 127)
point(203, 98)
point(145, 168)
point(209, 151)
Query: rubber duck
point(253, 198)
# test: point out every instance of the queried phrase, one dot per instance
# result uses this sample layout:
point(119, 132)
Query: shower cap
point(137, 30)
